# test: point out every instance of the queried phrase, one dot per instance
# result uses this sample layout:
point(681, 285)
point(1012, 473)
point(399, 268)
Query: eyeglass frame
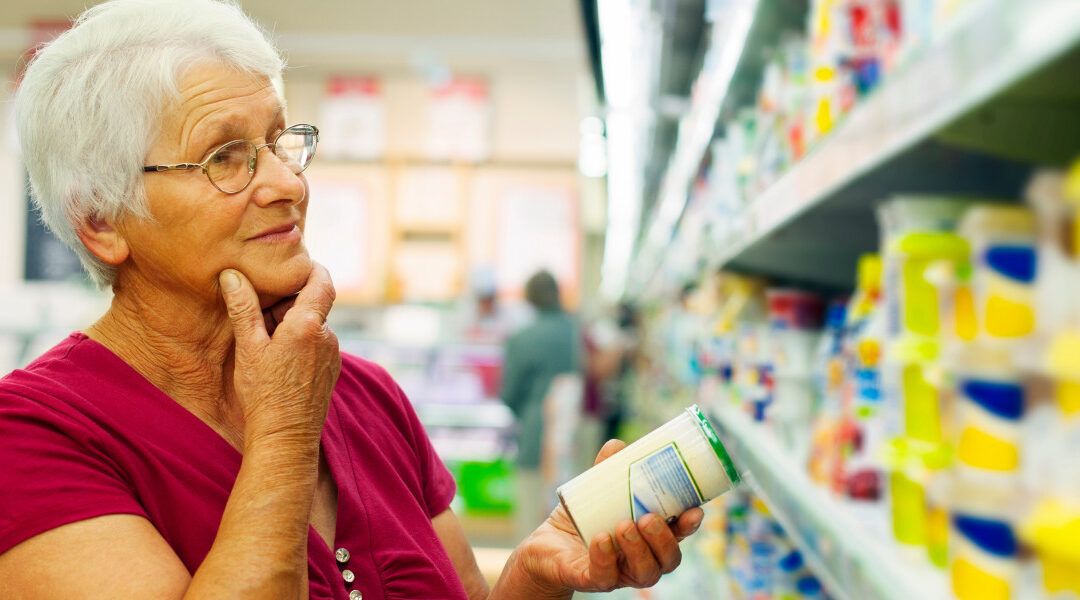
point(254, 166)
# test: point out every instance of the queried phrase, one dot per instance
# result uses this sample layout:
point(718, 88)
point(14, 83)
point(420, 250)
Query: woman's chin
point(282, 281)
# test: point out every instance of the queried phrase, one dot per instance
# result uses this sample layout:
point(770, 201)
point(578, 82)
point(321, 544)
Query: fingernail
point(632, 534)
point(605, 545)
point(653, 527)
point(694, 525)
point(229, 281)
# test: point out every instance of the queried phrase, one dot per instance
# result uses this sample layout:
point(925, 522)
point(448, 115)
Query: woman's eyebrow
point(278, 116)
point(229, 128)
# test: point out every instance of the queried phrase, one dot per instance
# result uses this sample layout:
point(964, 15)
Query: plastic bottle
point(677, 466)
point(918, 233)
point(825, 462)
point(810, 589)
point(1003, 258)
point(795, 323)
point(863, 353)
point(1052, 527)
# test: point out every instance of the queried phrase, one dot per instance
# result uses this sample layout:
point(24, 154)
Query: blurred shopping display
point(454, 387)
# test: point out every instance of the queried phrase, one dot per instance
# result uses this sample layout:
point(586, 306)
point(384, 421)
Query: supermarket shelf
point(955, 120)
point(491, 414)
point(852, 563)
point(718, 92)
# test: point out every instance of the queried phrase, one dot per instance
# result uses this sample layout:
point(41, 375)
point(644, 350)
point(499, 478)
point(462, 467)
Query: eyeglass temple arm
point(179, 167)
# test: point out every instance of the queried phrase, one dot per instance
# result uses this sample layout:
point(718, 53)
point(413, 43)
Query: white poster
point(428, 197)
point(459, 121)
point(352, 119)
point(336, 234)
point(537, 229)
point(428, 271)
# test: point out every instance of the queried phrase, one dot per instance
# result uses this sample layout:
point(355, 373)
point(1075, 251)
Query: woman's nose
point(275, 180)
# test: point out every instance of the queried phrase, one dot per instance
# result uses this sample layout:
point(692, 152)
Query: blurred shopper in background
point(611, 347)
point(535, 356)
point(207, 437)
point(481, 318)
point(621, 382)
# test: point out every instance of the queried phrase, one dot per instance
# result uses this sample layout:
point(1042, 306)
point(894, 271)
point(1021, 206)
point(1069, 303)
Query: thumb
point(610, 448)
point(243, 305)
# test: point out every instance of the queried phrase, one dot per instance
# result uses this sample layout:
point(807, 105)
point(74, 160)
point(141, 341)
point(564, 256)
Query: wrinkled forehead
point(215, 101)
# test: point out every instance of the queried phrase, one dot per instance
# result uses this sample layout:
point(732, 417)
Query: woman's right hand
point(283, 378)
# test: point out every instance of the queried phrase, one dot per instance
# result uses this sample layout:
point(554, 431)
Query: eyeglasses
point(231, 167)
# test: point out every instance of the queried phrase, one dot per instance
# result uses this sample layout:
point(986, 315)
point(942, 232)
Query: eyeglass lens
point(232, 167)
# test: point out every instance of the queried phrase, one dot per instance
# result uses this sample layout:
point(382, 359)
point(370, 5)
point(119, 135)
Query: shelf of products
point(872, 99)
point(913, 437)
point(854, 563)
point(997, 45)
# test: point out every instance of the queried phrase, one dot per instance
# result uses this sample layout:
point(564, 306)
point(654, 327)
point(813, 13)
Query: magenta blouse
point(82, 434)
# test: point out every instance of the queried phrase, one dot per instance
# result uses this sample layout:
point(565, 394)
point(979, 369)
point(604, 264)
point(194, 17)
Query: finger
point(661, 541)
point(243, 305)
point(317, 295)
point(688, 523)
point(609, 448)
point(638, 563)
point(603, 563)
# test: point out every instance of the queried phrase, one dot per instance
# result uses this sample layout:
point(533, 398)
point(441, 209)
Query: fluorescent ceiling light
point(696, 128)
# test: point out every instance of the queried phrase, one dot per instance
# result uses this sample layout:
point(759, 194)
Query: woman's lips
point(282, 234)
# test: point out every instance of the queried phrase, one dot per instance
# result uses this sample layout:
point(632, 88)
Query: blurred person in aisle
point(629, 322)
point(538, 356)
point(207, 437)
point(611, 348)
point(481, 318)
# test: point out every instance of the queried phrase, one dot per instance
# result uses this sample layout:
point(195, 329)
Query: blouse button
point(348, 576)
point(356, 595)
point(342, 555)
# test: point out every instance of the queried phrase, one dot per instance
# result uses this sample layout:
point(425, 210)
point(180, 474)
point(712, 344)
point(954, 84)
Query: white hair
point(91, 103)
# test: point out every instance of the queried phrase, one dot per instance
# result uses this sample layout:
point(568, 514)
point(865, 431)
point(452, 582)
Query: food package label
point(661, 483)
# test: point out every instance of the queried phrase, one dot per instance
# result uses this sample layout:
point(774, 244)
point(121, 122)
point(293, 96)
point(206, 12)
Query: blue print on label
point(1015, 262)
point(661, 484)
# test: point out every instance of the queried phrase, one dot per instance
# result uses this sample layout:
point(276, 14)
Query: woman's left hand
point(555, 560)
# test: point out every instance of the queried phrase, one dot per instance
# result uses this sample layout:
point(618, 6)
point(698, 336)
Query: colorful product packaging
point(677, 466)
point(863, 350)
point(918, 235)
point(985, 554)
point(795, 322)
point(1003, 271)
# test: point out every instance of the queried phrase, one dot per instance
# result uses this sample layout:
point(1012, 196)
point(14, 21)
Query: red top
point(84, 435)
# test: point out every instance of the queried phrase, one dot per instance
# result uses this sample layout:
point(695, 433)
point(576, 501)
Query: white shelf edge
point(999, 43)
point(780, 483)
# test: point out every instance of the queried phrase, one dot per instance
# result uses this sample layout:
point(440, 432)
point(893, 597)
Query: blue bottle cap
point(791, 562)
point(1005, 400)
point(995, 537)
point(808, 586)
point(836, 314)
point(1014, 262)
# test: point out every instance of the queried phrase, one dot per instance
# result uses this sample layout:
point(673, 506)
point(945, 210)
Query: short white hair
point(91, 103)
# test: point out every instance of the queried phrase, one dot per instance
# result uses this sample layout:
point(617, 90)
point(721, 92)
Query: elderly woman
point(206, 437)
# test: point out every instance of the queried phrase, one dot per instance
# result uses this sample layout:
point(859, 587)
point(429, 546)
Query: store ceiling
point(477, 35)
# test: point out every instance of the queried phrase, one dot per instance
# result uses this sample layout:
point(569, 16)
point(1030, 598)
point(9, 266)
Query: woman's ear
point(103, 239)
